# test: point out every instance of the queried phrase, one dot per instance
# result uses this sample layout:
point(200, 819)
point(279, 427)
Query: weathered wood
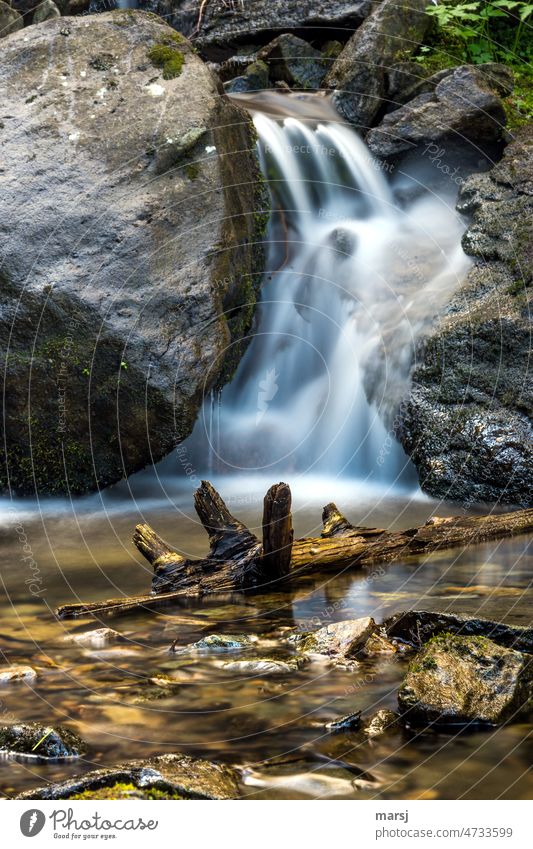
point(238, 562)
point(278, 533)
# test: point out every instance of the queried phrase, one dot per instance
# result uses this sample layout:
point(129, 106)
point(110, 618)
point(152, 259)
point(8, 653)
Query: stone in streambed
point(463, 680)
point(17, 673)
point(381, 722)
point(340, 640)
point(262, 666)
point(350, 722)
point(97, 639)
point(172, 775)
point(254, 78)
point(416, 627)
point(41, 741)
point(219, 642)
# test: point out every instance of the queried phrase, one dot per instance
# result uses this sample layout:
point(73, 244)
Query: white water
point(352, 281)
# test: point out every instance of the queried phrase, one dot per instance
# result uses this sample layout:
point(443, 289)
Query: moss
point(519, 105)
point(169, 58)
point(122, 790)
point(193, 170)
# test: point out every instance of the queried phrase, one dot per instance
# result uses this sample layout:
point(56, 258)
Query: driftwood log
point(238, 561)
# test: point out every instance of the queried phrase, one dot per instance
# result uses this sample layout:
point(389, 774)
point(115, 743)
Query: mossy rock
point(41, 741)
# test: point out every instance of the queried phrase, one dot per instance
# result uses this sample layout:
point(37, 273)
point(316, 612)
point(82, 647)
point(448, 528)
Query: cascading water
point(352, 278)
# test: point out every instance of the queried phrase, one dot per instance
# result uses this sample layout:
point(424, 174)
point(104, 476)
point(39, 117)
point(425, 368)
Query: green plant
point(489, 30)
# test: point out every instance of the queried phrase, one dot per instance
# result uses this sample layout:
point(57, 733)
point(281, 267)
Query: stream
point(359, 259)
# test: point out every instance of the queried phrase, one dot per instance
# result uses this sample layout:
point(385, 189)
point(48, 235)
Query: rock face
point(175, 776)
point(224, 26)
point(462, 107)
point(340, 639)
point(10, 20)
point(130, 228)
point(467, 420)
point(41, 741)
point(359, 75)
point(466, 680)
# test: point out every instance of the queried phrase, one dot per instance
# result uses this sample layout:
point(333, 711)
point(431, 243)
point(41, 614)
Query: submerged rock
point(174, 776)
point(41, 741)
point(418, 626)
point(310, 776)
point(461, 680)
point(340, 640)
point(466, 421)
point(146, 265)
point(217, 643)
point(97, 639)
point(350, 722)
point(462, 108)
point(359, 75)
point(262, 666)
point(17, 673)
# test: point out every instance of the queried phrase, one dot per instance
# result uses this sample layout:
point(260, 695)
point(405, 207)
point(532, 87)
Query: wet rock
point(255, 78)
point(225, 26)
point(463, 107)
point(340, 640)
point(173, 774)
point(129, 104)
point(377, 644)
point(381, 722)
point(97, 639)
point(293, 61)
point(17, 673)
point(44, 11)
point(459, 680)
point(41, 741)
point(359, 75)
point(10, 20)
point(466, 421)
point(418, 626)
point(262, 666)
point(350, 722)
point(218, 643)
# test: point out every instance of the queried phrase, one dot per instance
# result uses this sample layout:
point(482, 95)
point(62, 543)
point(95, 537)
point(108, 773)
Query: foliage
point(488, 31)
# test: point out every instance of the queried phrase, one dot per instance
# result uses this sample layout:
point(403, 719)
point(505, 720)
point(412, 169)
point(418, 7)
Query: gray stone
point(255, 78)
point(97, 639)
point(359, 75)
point(350, 722)
point(418, 626)
point(260, 666)
point(41, 741)
point(173, 775)
point(293, 61)
point(46, 10)
point(17, 673)
point(461, 680)
point(10, 20)
point(126, 239)
point(466, 421)
point(463, 107)
point(340, 640)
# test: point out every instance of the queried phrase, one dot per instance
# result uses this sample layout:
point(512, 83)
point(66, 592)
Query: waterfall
point(353, 277)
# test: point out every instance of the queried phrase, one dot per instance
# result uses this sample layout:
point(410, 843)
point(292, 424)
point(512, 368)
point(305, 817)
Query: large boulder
point(220, 27)
point(131, 223)
point(172, 776)
point(466, 421)
point(462, 107)
point(10, 20)
point(339, 640)
point(455, 680)
point(359, 76)
point(293, 61)
point(419, 626)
